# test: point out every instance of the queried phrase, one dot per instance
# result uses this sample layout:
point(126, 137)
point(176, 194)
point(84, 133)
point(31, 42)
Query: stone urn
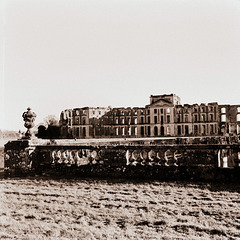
point(29, 118)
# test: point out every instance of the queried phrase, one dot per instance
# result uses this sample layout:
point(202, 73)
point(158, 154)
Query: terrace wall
point(164, 160)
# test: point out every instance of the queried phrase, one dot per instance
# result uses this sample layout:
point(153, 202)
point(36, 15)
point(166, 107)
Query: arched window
point(155, 131)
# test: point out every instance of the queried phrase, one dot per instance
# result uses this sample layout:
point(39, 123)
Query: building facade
point(164, 116)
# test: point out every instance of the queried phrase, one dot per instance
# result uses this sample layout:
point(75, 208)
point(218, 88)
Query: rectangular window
point(135, 120)
point(168, 118)
point(223, 118)
point(162, 120)
point(148, 119)
point(123, 131)
point(223, 110)
point(203, 129)
point(149, 130)
point(155, 110)
point(178, 118)
point(161, 110)
point(195, 129)
point(77, 120)
point(123, 121)
point(238, 117)
point(142, 119)
point(211, 129)
point(155, 119)
point(116, 131)
point(116, 120)
point(135, 131)
point(211, 117)
point(168, 110)
point(179, 130)
point(168, 130)
point(129, 131)
point(195, 118)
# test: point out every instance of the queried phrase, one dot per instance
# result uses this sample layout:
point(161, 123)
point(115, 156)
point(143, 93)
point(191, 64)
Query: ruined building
point(164, 116)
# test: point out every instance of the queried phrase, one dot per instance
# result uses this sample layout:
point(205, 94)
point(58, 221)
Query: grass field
point(117, 209)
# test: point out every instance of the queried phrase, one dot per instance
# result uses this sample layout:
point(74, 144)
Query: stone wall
point(130, 160)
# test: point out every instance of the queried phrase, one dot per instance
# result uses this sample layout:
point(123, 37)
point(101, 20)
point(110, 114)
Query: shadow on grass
point(211, 186)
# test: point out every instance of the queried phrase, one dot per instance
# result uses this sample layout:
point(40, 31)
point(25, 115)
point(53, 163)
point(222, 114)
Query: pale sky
point(59, 54)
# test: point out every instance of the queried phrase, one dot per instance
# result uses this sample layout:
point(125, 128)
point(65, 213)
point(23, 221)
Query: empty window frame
point(238, 117)
point(168, 118)
point(123, 131)
point(168, 130)
point(135, 131)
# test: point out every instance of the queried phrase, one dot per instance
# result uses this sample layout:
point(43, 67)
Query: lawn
point(38, 208)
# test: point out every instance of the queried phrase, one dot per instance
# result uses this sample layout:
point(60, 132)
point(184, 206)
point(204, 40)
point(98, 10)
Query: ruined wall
point(165, 162)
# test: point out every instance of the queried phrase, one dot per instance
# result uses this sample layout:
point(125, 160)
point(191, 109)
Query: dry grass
point(102, 209)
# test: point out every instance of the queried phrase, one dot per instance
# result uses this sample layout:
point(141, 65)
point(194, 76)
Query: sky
point(60, 54)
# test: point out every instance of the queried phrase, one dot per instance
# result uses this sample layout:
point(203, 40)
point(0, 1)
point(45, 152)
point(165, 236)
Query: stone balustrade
point(170, 161)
